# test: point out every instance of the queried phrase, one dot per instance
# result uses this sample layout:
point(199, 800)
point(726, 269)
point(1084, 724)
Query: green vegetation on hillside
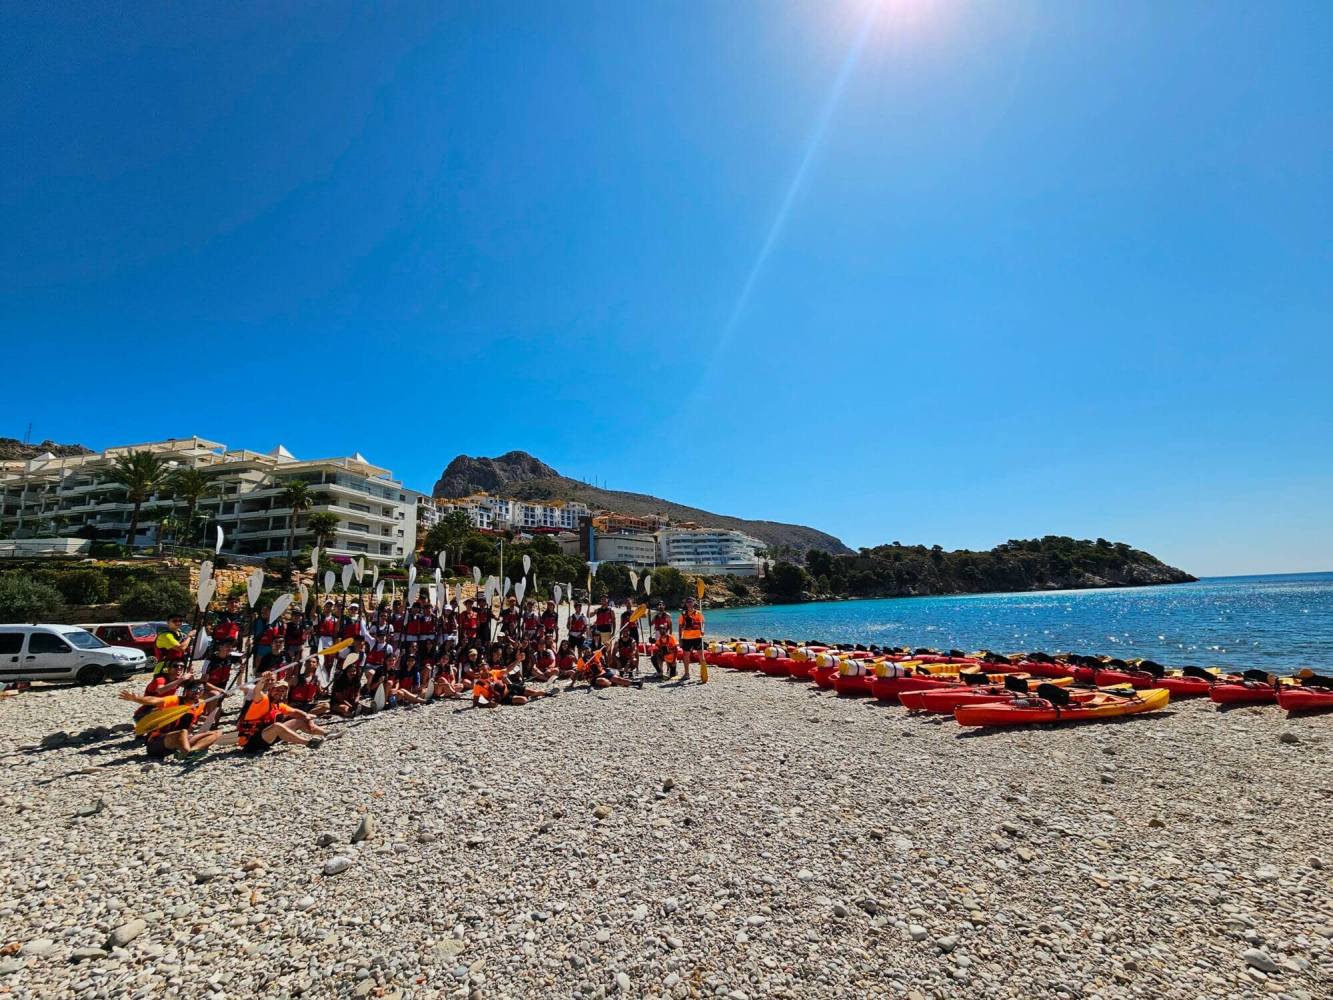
point(1055, 562)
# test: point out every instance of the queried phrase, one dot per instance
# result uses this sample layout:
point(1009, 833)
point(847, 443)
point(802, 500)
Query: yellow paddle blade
point(699, 588)
point(636, 614)
point(158, 719)
point(337, 647)
point(703, 671)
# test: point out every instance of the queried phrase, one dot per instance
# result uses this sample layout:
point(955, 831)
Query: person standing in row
point(691, 636)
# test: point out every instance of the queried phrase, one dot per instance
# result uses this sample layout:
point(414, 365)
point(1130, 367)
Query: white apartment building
point(628, 548)
point(710, 551)
point(377, 517)
point(497, 513)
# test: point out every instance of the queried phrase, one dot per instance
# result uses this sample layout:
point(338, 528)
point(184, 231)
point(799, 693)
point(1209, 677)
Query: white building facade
point(496, 513)
point(710, 551)
point(60, 496)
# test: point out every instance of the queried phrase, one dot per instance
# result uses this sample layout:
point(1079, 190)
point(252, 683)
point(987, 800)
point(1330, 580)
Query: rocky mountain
point(12, 449)
point(520, 476)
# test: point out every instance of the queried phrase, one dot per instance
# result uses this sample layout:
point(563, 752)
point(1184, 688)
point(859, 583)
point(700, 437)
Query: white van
point(63, 653)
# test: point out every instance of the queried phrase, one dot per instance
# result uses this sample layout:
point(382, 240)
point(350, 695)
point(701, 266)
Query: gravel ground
point(751, 838)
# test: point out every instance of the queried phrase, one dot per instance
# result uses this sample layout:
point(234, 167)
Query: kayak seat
point(1055, 695)
point(1256, 675)
point(1013, 683)
point(1198, 672)
point(974, 677)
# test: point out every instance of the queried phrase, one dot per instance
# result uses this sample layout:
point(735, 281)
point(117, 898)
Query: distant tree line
point(1054, 562)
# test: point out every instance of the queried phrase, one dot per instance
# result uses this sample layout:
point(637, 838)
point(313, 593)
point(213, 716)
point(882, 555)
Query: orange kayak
point(1053, 704)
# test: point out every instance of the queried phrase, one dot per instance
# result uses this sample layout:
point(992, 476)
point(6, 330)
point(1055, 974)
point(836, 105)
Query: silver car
point(63, 653)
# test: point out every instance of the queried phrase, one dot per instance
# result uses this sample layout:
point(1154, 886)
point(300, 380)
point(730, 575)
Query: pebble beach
point(748, 838)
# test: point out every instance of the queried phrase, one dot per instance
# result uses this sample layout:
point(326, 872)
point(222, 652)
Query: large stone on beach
point(337, 865)
point(365, 829)
point(126, 933)
point(1257, 958)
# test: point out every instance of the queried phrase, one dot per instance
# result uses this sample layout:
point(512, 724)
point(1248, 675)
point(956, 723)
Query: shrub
point(156, 599)
point(23, 599)
point(108, 550)
point(83, 586)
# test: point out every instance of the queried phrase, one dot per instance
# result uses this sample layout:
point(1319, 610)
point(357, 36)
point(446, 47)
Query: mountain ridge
point(520, 476)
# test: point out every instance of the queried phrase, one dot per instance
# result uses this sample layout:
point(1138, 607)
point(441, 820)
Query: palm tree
point(140, 474)
point(191, 485)
point(323, 525)
point(297, 498)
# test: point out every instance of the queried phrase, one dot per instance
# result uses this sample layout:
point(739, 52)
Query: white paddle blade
point(328, 581)
point(633, 581)
point(314, 559)
point(305, 595)
point(279, 607)
point(359, 569)
point(411, 575)
point(438, 575)
point(205, 577)
point(375, 577)
point(412, 592)
point(347, 576)
point(254, 585)
point(379, 698)
point(207, 588)
point(439, 559)
point(527, 563)
point(217, 549)
point(556, 594)
point(647, 584)
point(476, 576)
point(520, 589)
point(379, 592)
point(507, 586)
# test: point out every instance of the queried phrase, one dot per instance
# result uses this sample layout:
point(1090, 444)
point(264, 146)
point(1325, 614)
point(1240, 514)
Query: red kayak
point(1305, 699)
point(944, 701)
point(800, 669)
point(854, 685)
point(777, 666)
point(1244, 693)
point(823, 676)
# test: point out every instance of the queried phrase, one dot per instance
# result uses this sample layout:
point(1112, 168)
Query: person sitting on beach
point(489, 689)
point(447, 685)
point(268, 719)
point(602, 672)
point(174, 736)
point(544, 663)
point(345, 693)
point(565, 660)
point(305, 693)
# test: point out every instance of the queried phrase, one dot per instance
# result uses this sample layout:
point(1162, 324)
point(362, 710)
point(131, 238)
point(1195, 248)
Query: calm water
point(1277, 623)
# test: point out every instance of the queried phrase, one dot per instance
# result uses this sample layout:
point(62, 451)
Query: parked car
point(132, 635)
point(63, 653)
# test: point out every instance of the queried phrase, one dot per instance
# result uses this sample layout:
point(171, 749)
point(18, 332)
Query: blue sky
point(926, 271)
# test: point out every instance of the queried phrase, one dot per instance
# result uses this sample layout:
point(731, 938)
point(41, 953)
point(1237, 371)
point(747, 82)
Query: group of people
point(341, 663)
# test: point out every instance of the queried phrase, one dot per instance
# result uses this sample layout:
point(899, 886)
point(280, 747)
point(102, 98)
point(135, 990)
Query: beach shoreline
point(749, 837)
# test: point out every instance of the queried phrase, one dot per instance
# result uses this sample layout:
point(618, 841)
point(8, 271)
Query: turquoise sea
point(1277, 623)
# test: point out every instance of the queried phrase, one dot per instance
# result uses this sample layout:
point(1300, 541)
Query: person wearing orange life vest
point(175, 735)
point(691, 636)
point(267, 720)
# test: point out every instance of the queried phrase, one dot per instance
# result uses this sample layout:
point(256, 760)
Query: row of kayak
point(987, 689)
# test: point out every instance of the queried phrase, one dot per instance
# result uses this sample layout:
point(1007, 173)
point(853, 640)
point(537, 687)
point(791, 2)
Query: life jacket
point(351, 628)
point(662, 623)
point(550, 621)
point(261, 714)
point(605, 619)
point(691, 625)
point(578, 624)
point(448, 621)
point(227, 627)
point(328, 626)
point(304, 692)
point(468, 622)
point(493, 687)
point(531, 625)
point(169, 647)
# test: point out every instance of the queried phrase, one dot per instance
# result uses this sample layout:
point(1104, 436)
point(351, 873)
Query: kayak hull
point(1249, 693)
point(1306, 699)
point(1086, 708)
